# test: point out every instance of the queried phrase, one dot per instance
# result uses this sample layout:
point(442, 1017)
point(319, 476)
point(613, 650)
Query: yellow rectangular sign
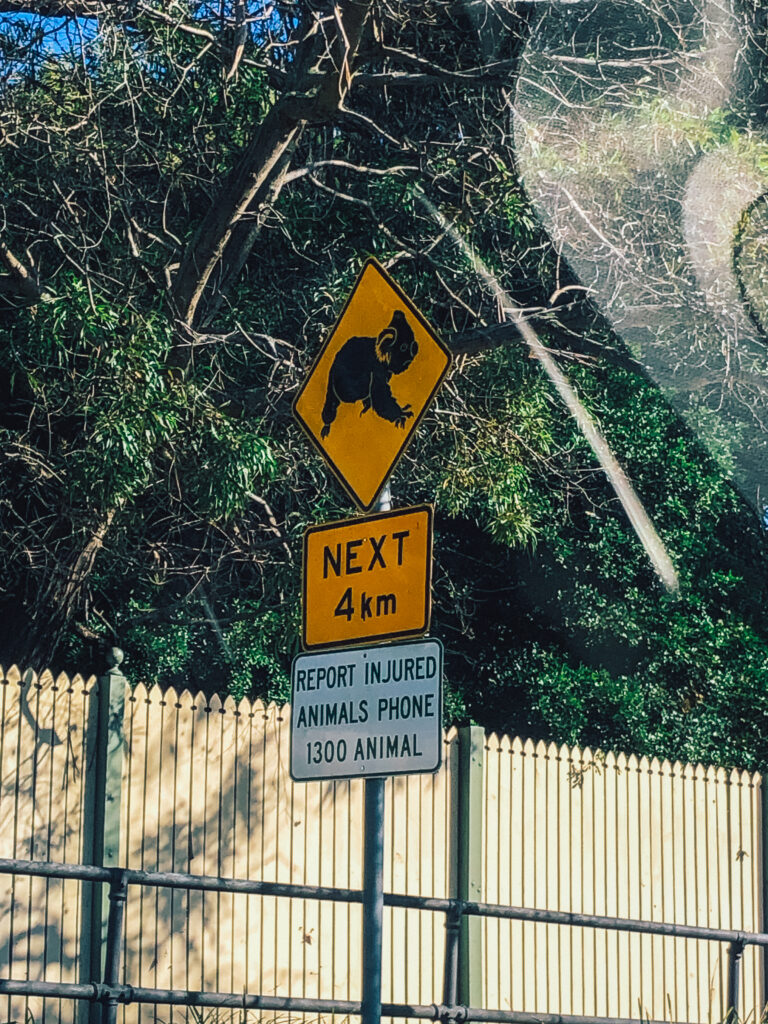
point(367, 579)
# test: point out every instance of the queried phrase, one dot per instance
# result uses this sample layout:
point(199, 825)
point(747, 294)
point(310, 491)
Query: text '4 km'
point(367, 579)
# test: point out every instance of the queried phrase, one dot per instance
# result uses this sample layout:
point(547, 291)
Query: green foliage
point(106, 370)
point(156, 489)
point(495, 455)
point(599, 654)
point(241, 653)
point(227, 462)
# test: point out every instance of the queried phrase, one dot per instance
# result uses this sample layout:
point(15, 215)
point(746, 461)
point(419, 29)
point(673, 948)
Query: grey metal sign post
point(373, 899)
point(373, 872)
point(362, 463)
point(371, 713)
point(368, 712)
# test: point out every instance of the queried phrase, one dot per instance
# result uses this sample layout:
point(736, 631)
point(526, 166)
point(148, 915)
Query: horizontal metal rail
point(110, 994)
point(212, 883)
point(125, 994)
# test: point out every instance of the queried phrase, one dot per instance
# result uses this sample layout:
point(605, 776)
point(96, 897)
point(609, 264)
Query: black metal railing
point(110, 993)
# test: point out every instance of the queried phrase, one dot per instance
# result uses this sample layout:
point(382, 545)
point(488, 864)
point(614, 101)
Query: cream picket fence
point(206, 790)
point(43, 767)
point(567, 829)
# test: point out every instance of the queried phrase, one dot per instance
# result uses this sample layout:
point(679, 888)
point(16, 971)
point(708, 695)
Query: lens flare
point(636, 514)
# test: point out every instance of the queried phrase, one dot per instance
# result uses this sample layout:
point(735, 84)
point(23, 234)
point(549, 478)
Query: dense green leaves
point(156, 488)
point(592, 649)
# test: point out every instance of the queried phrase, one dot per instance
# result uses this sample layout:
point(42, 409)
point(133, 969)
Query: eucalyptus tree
point(189, 190)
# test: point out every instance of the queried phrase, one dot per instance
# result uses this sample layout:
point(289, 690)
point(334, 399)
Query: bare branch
point(484, 339)
point(494, 71)
point(179, 26)
point(241, 35)
point(21, 282)
point(354, 119)
point(302, 172)
point(258, 176)
point(57, 8)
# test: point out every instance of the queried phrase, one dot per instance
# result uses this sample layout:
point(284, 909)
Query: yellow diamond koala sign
point(371, 383)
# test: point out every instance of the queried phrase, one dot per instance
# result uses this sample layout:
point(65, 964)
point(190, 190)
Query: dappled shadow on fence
point(629, 837)
point(204, 789)
point(43, 812)
point(207, 790)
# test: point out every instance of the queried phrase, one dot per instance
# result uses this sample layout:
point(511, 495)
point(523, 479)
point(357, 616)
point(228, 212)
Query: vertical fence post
point(735, 951)
point(470, 873)
point(118, 893)
point(102, 841)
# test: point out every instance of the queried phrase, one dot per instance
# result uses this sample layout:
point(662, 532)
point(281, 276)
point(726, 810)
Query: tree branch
point(66, 593)
point(21, 282)
point(316, 165)
point(427, 70)
point(245, 233)
point(180, 26)
point(57, 8)
point(484, 339)
point(323, 77)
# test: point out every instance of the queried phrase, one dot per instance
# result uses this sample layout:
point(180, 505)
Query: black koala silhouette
point(362, 369)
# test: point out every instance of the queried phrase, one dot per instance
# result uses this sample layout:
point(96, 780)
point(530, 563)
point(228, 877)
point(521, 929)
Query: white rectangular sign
point(367, 712)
